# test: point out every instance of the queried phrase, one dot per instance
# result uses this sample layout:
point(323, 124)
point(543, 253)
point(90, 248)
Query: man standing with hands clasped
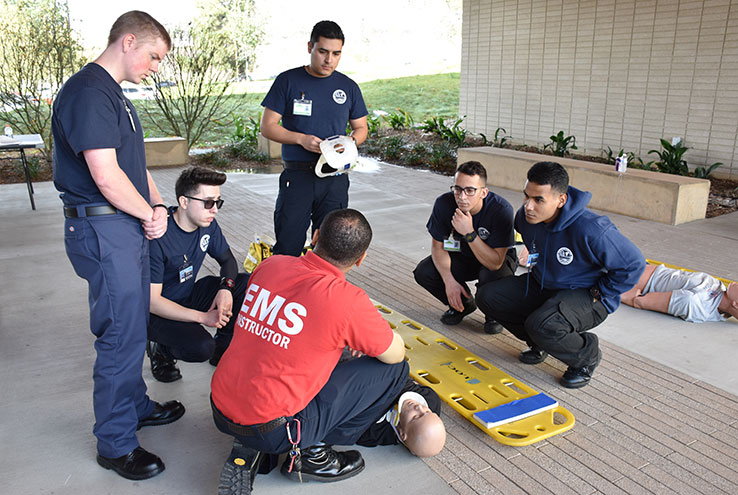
point(112, 210)
point(314, 102)
point(472, 231)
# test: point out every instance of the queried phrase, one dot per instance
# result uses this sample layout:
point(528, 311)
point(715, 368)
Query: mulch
point(723, 192)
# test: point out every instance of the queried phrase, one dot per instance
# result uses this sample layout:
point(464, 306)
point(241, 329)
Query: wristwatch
point(469, 238)
point(227, 283)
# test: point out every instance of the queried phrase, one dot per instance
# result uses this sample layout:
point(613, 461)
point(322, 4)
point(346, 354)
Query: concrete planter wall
point(664, 198)
point(166, 151)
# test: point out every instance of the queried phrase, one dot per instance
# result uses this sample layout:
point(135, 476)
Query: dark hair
point(552, 173)
point(190, 179)
point(326, 29)
point(473, 168)
point(141, 24)
point(344, 235)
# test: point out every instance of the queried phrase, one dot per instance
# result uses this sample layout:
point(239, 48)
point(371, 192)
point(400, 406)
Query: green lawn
point(420, 96)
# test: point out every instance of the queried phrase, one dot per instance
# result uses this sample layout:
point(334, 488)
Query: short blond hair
point(141, 24)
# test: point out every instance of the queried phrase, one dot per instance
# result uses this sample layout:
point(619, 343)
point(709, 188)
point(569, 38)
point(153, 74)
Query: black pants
point(304, 198)
point(189, 341)
point(356, 394)
point(463, 269)
point(555, 321)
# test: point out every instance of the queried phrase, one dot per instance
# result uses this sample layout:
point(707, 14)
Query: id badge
point(302, 107)
point(532, 260)
point(451, 244)
point(185, 273)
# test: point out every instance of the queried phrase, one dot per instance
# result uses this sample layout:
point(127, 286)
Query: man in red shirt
point(278, 387)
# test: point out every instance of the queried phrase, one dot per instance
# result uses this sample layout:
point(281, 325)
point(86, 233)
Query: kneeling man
point(278, 387)
point(472, 231)
point(579, 265)
point(180, 306)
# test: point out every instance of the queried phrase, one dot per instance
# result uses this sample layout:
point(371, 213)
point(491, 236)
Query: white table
point(20, 143)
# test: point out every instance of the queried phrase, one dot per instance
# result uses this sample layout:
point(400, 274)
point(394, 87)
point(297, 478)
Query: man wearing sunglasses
point(180, 305)
point(472, 231)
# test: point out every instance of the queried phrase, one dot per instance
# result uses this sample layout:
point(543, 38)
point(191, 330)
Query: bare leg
point(629, 297)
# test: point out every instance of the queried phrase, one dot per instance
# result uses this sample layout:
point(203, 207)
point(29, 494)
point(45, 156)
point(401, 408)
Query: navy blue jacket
point(581, 249)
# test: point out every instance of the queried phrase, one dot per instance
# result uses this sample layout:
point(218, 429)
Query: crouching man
point(579, 265)
point(472, 231)
point(278, 387)
point(180, 306)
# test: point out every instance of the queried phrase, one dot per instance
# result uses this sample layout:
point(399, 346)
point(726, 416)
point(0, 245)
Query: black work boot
point(454, 317)
point(237, 475)
point(322, 463)
point(163, 367)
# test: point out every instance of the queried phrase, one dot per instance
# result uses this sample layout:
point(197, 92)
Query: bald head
point(420, 429)
point(426, 436)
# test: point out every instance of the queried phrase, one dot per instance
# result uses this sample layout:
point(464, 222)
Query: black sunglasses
point(209, 203)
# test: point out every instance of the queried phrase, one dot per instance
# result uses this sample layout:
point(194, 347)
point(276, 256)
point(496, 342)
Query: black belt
point(248, 430)
point(299, 165)
point(89, 211)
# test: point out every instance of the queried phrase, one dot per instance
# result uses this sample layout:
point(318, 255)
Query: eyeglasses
point(469, 191)
point(209, 203)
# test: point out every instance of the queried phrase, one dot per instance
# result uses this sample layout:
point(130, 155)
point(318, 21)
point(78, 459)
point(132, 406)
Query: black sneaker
point(163, 367)
point(237, 475)
point(532, 355)
point(454, 317)
point(322, 463)
point(492, 327)
point(579, 377)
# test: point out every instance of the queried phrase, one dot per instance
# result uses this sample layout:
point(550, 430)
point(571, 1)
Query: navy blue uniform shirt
point(90, 113)
point(177, 256)
point(336, 99)
point(493, 223)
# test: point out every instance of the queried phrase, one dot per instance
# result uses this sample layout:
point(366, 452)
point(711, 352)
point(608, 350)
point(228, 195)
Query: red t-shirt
point(298, 315)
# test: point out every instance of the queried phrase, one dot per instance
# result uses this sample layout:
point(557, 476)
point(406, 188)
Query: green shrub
point(453, 133)
point(671, 159)
point(399, 119)
point(560, 145)
point(498, 141)
point(392, 147)
point(246, 150)
point(704, 172)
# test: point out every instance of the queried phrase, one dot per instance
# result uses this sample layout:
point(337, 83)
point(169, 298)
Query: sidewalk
point(659, 415)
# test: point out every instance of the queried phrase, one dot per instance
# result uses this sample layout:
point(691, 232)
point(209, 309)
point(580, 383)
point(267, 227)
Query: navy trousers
point(111, 253)
point(555, 321)
point(463, 269)
point(358, 392)
point(305, 197)
point(189, 341)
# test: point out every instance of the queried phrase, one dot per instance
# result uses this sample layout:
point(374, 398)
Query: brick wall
point(618, 73)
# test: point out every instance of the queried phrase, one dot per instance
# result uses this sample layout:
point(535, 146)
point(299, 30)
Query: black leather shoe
point(454, 317)
point(532, 355)
point(138, 464)
point(322, 463)
point(579, 377)
point(237, 475)
point(491, 327)
point(163, 414)
point(163, 367)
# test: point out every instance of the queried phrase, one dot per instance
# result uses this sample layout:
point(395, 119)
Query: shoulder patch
point(204, 242)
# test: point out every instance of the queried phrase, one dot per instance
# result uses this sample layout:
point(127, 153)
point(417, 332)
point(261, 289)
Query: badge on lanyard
point(532, 256)
point(302, 106)
point(185, 271)
point(451, 244)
